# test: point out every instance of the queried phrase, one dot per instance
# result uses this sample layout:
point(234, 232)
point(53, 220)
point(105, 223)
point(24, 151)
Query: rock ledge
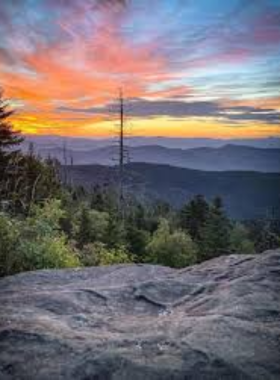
point(216, 320)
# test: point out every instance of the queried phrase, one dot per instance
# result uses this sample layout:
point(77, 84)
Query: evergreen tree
point(8, 158)
point(193, 216)
point(84, 231)
point(239, 240)
point(161, 209)
point(98, 199)
point(137, 241)
point(9, 138)
point(115, 232)
point(215, 237)
point(265, 234)
point(139, 216)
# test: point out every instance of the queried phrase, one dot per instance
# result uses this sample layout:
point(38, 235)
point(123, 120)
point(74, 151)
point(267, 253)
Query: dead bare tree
point(122, 156)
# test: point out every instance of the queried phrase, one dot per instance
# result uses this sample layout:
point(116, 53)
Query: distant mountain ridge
point(78, 143)
point(246, 195)
point(228, 157)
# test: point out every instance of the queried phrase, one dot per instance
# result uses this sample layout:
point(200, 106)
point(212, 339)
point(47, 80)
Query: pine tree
point(84, 232)
point(97, 199)
point(9, 138)
point(193, 216)
point(265, 234)
point(137, 241)
point(139, 216)
point(215, 237)
point(115, 233)
point(9, 159)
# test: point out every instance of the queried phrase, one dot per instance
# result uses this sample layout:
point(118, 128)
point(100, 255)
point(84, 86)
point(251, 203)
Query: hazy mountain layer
point(168, 142)
point(227, 157)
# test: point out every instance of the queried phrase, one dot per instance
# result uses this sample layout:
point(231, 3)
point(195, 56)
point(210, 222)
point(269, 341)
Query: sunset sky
point(205, 68)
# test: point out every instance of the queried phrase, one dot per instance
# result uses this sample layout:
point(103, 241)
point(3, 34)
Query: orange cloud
point(92, 65)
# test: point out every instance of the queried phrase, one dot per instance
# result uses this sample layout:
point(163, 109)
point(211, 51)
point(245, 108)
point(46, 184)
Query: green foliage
point(138, 217)
point(35, 242)
point(115, 232)
point(27, 181)
point(96, 254)
point(42, 243)
point(46, 219)
point(46, 252)
point(9, 239)
point(215, 236)
point(265, 234)
point(239, 240)
point(92, 226)
point(68, 232)
point(84, 233)
point(24, 179)
point(102, 199)
point(137, 241)
point(175, 249)
point(193, 216)
point(161, 209)
point(8, 137)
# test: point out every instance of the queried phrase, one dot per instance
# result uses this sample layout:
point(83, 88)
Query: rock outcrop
point(216, 320)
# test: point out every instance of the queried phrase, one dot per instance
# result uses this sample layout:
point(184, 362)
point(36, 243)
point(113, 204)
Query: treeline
point(45, 224)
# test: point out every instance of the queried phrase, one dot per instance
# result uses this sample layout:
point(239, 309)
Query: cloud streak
point(142, 108)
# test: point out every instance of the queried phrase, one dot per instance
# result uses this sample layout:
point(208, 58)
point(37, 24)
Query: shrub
point(46, 252)
point(96, 254)
point(175, 249)
point(36, 242)
point(9, 238)
point(92, 226)
point(239, 240)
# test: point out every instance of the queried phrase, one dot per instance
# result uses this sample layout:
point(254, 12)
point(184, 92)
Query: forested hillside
point(246, 195)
